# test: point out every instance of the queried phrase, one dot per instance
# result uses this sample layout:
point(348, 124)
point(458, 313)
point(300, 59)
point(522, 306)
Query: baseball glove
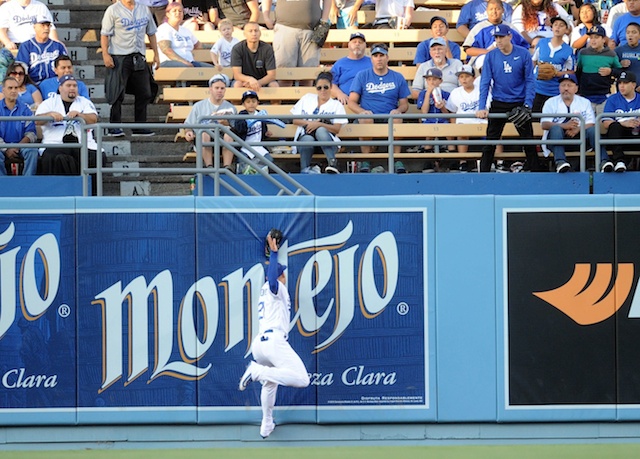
point(320, 32)
point(546, 71)
point(275, 234)
point(519, 116)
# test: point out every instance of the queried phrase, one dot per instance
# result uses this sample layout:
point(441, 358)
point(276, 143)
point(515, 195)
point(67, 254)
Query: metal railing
point(225, 179)
point(606, 141)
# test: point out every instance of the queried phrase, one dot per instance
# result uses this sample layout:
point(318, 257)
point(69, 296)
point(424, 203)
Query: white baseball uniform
point(276, 363)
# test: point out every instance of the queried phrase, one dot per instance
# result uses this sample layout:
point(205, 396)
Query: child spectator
point(464, 100)
point(532, 18)
point(629, 54)
point(596, 69)
point(221, 50)
point(253, 130)
point(432, 99)
point(556, 52)
point(589, 16)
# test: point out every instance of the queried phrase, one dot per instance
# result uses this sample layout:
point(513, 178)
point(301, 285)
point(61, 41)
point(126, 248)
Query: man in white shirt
point(567, 127)
point(66, 108)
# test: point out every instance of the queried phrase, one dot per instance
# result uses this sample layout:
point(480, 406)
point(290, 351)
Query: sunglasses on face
point(16, 73)
point(319, 88)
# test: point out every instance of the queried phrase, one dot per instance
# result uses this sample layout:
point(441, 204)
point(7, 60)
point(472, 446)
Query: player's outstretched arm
point(272, 270)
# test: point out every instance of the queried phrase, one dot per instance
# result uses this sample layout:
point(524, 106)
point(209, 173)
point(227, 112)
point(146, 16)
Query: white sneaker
point(620, 167)
point(246, 378)
point(266, 429)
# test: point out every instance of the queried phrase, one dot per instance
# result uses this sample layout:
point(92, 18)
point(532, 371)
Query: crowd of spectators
point(508, 51)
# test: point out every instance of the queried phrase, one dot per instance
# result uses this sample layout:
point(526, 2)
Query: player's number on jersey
point(261, 310)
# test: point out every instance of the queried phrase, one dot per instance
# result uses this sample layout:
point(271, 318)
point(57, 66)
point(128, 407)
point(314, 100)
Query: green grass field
point(583, 451)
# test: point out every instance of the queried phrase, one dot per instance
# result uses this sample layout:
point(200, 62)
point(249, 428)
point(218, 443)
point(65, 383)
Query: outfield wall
point(453, 309)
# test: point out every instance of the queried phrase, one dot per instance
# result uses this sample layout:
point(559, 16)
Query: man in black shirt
point(253, 61)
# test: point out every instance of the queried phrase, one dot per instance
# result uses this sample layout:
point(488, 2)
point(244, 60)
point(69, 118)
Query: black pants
point(618, 131)
point(136, 82)
point(494, 133)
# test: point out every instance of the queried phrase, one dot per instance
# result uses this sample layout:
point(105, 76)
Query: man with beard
point(567, 127)
point(66, 109)
point(345, 69)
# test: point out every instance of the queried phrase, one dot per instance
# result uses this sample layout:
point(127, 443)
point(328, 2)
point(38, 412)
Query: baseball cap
point(560, 18)
point(281, 269)
point(379, 50)
point(438, 18)
point(65, 78)
point(597, 30)
point(219, 77)
point(627, 76)
point(43, 20)
point(437, 41)
point(433, 72)
point(358, 35)
point(466, 69)
point(250, 94)
point(501, 30)
point(568, 76)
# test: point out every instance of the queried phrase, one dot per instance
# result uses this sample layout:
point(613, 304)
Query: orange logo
point(588, 304)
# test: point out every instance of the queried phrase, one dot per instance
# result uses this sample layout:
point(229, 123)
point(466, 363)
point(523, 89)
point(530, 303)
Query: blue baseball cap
point(501, 30)
point(569, 76)
point(597, 30)
point(433, 72)
point(281, 269)
point(64, 78)
point(438, 18)
point(357, 35)
point(379, 50)
point(437, 41)
point(250, 94)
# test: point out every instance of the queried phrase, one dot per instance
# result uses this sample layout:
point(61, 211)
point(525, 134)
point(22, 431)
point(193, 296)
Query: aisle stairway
point(78, 23)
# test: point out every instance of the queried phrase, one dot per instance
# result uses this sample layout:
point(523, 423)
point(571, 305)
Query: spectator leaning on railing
point(508, 73)
point(623, 102)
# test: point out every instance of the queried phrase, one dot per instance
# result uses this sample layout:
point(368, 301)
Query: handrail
point(218, 143)
point(606, 141)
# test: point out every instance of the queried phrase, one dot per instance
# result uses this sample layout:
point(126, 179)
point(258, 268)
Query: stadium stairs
point(78, 23)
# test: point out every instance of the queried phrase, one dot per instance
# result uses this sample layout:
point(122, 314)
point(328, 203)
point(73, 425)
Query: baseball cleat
point(246, 378)
point(265, 430)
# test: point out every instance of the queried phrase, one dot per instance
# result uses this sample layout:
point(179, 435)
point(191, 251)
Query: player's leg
point(287, 369)
point(267, 402)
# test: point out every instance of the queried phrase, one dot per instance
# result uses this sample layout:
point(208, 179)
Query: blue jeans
point(30, 156)
point(557, 133)
point(322, 135)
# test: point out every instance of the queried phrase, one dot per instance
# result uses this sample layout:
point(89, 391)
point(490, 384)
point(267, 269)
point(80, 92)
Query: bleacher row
point(184, 86)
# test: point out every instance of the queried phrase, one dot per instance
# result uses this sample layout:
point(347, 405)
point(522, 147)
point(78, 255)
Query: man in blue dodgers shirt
point(40, 51)
point(379, 90)
point(622, 102)
point(508, 73)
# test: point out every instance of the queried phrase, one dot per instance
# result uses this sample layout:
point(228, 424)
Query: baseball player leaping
point(276, 363)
